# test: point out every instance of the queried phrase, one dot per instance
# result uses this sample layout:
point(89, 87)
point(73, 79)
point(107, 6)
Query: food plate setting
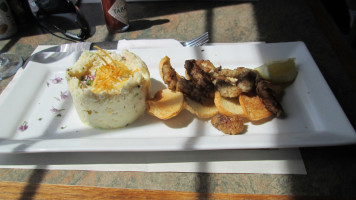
point(37, 113)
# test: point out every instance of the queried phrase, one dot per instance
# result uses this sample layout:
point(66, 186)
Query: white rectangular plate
point(314, 117)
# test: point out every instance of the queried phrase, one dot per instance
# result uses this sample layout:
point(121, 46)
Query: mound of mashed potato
point(109, 90)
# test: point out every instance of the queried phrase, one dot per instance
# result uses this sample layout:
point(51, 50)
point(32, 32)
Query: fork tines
point(198, 41)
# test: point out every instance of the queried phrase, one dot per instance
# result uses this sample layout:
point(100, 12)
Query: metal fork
point(198, 41)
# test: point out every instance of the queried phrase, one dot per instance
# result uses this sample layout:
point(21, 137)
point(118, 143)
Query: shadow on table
point(327, 167)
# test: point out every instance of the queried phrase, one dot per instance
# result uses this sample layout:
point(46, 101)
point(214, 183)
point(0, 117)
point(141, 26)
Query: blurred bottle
point(7, 22)
point(115, 13)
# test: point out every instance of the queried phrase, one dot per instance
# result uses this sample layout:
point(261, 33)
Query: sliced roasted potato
point(228, 106)
point(253, 107)
point(166, 104)
point(201, 110)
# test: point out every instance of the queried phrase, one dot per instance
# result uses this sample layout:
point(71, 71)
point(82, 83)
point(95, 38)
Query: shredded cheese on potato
point(111, 75)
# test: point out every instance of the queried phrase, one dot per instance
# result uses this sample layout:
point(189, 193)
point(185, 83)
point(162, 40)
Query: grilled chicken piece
point(241, 80)
point(230, 83)
point(230, 125)
point(168, 73)
point(198, 87)
point(194, 91)
point(268, 95)
point(197, 75)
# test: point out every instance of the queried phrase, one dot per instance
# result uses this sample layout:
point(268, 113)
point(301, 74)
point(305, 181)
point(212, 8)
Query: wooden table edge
point(19, 190)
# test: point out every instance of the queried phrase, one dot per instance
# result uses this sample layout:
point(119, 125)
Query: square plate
point(310, 106)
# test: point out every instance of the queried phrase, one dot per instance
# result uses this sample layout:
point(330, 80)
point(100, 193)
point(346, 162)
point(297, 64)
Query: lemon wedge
point(279, 71)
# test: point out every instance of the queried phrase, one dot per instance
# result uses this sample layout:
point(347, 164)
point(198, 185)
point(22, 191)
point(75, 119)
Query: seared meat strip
point(246, 80)
point(197, 75)
point(230, 83)
point(193, 91)
point(227, 90)
point(207, 66)
point(197, 84)
point(169, 74)
point(269, 97)
point(241, 80)
point(198, 88)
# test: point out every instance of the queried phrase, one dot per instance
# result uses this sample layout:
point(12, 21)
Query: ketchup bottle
point(115, 15)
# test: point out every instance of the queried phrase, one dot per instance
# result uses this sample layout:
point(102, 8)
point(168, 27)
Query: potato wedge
point(166, 104)
point(253, 107)
point(228, 106)
point(206, 110)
